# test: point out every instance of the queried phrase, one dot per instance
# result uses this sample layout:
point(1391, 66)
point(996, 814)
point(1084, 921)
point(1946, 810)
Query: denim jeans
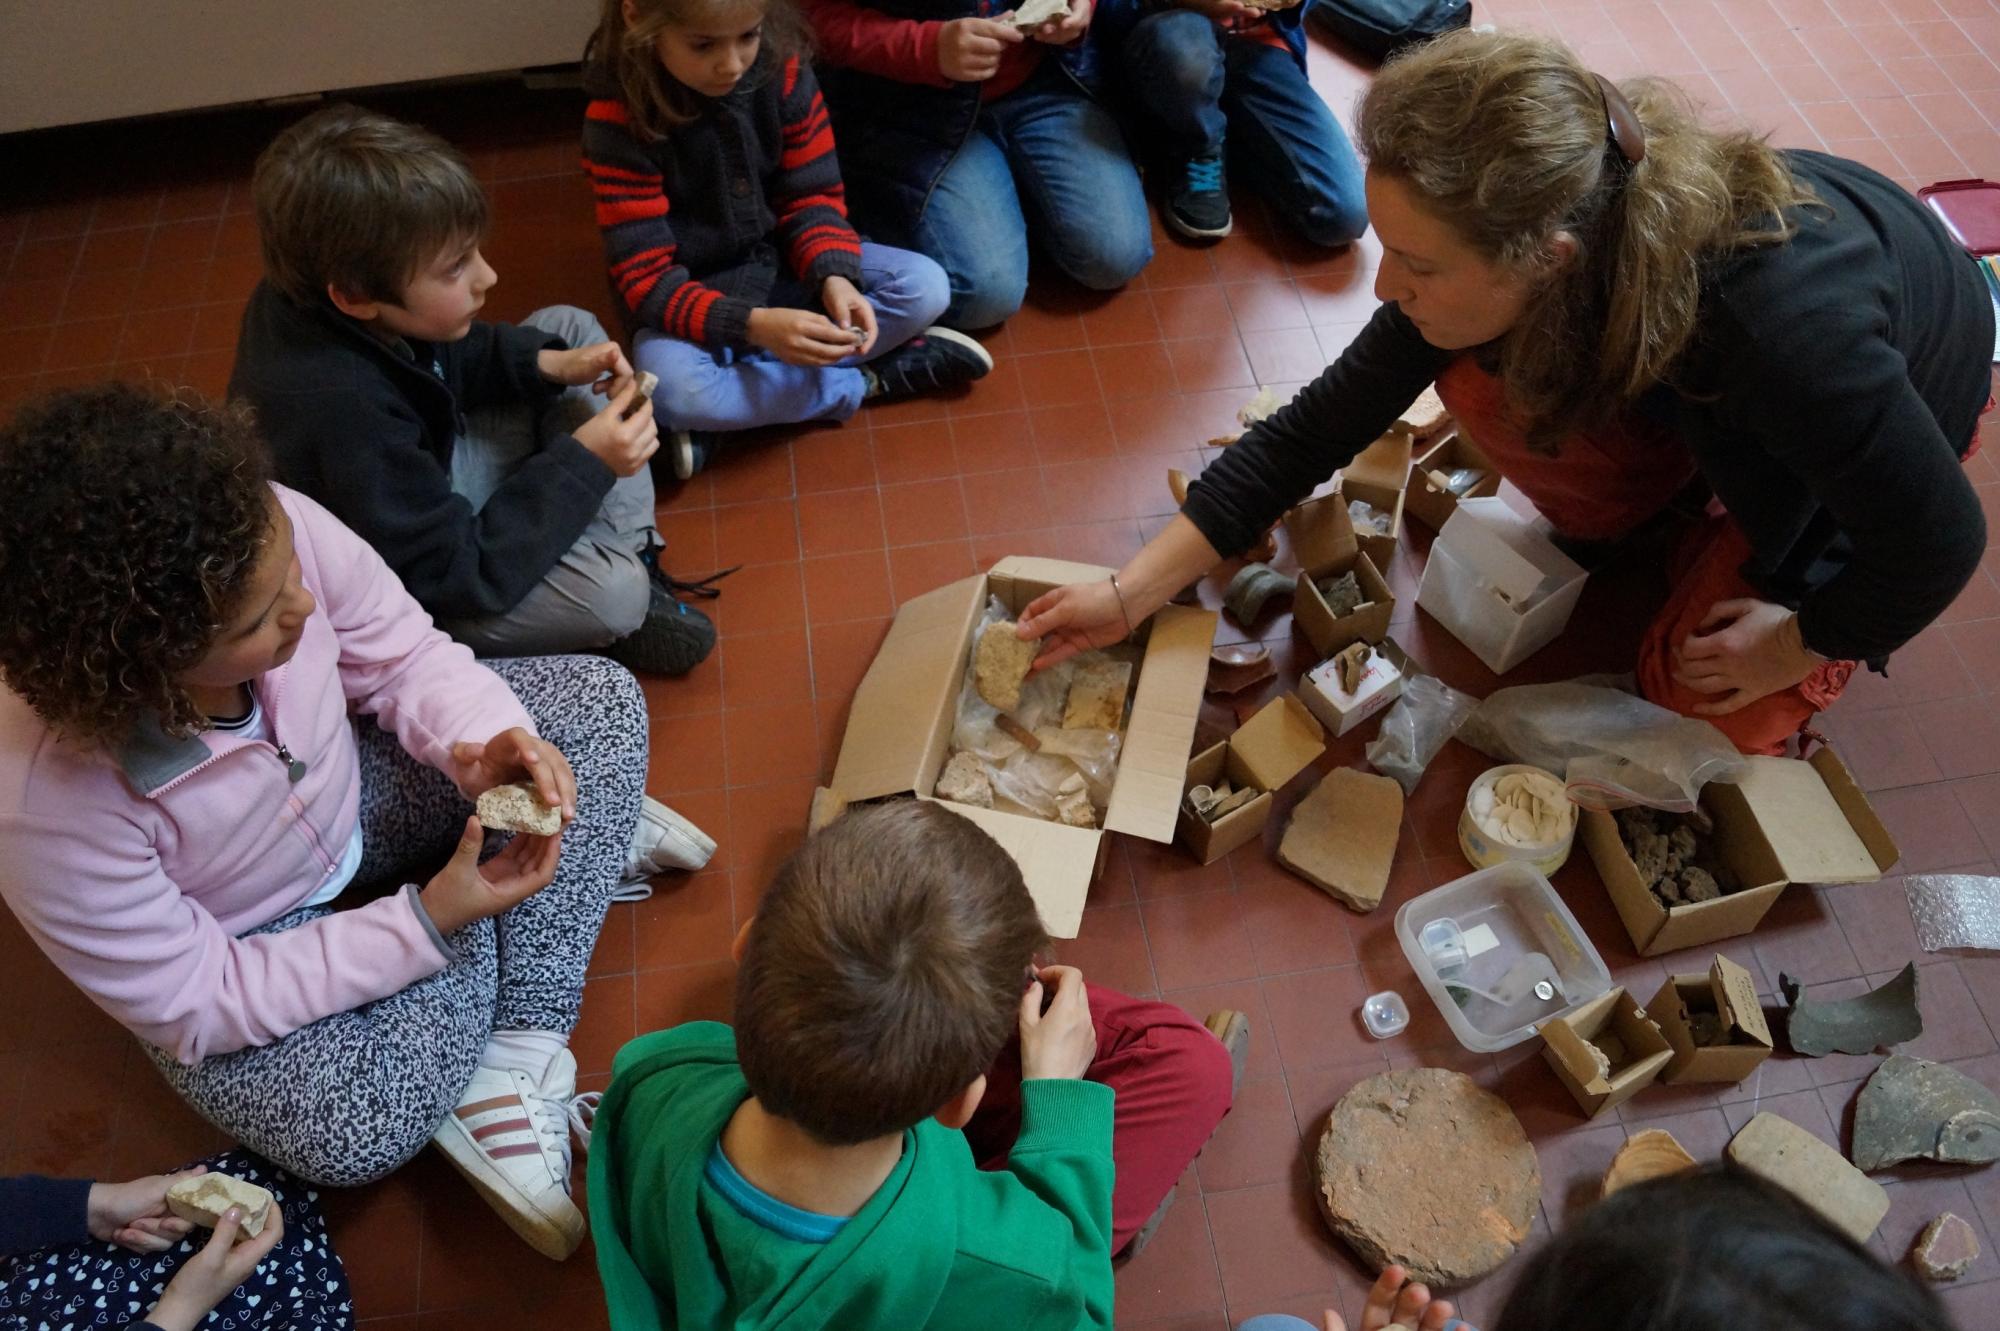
point(705, 389)
point(1206, 88)
point(1044, 160)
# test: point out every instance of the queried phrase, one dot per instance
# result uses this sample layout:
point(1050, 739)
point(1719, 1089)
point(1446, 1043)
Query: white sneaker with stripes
point(510, 1138)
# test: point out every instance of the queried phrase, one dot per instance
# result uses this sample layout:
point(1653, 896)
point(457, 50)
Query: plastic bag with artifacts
point(1613, 748)
point(1421, 722)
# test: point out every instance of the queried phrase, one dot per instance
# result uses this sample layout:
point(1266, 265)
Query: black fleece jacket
point(1834, 383)
point(368, 432)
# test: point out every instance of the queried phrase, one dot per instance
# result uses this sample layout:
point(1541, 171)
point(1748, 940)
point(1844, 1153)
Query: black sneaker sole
point(667, 643)
point(969, 345)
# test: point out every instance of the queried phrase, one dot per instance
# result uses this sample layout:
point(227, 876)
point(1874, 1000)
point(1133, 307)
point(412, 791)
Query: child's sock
point(530, 1051)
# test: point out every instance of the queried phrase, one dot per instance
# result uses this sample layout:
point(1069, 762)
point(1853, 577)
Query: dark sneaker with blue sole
point(1198, 202)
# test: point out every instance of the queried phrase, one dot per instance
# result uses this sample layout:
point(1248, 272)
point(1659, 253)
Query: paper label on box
point(1480, 939)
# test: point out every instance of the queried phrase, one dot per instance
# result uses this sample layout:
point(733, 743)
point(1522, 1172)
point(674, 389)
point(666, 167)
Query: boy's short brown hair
point(361, 201)
point(884, 972)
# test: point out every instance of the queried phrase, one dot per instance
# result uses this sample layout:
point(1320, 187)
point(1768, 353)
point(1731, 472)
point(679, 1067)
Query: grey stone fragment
point(1882, 1017)
point(1381, 1187)
point(1253, 588)
point(1914, 1109)
point(1341, 594)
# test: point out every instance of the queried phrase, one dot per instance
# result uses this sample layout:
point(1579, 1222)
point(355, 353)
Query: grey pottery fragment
point(1881, 1017)
point(1914, 1109)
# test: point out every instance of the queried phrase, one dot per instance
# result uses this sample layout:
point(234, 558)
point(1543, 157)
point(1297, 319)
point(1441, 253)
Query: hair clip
point(1623, 122)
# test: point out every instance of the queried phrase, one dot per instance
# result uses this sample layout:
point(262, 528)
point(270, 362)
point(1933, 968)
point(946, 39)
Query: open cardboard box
point(1498, 584)
point(1385, 496)
point(1787, 821)
point(900, 725)
point(1266, 751)
point(1384, 464)
point(1613, 1013)
point(1340, 711)
point(1728, 991)
point(1434, 507)
point(1324, 543)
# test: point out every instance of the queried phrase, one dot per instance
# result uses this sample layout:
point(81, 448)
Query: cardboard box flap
point(899, 721)
point(1569, 1047)
point(1736, 995)
point(1322, 534)
point(1152, 764)
point(1278, 743)
point(1015, 574)
point(1057, 862)
point(1386, 462)
point(1810, 834)
point(1505, 549)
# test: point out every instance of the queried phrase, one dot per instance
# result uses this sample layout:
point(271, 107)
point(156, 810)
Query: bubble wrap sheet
point(1954, 910)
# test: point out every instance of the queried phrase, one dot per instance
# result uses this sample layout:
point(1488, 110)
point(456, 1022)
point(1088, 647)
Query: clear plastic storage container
point(1499, 953)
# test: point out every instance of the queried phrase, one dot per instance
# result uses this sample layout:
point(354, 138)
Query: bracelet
point(1123, 612)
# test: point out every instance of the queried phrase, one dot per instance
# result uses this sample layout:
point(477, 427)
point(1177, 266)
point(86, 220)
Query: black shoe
point(674, 639)
point(1198, 204)
point(934, 359)
point(691, 450)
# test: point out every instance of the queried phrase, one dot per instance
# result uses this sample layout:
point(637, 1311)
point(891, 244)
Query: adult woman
point(222, 712)
point(1610, 298)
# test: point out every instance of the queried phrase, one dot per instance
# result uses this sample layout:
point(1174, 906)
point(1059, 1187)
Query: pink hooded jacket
point(139, 871)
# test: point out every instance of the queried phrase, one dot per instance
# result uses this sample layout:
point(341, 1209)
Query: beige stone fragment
point(518, 807)
point(1073, 803)
point(1002, 661)
point(1097, 696)
point(964, 781)
point(203, 1199)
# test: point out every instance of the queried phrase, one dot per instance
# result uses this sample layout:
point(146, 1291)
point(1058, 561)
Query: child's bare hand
point(516, 754)
point(969, 49)
point(1062, 31)
point(849, 309)
point(800, 337)
point(1392, 1301)
point(601, 363)
point(134, 1214)
point(621, 444)
point(1219, 11)
point(1059, 1043)
point(213, 1274)
point(1072, 619)
point(466, 890)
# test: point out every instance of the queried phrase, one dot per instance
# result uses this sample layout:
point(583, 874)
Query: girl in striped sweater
point(725, 225)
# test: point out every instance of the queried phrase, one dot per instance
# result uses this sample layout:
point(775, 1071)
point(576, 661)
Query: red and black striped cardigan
point(697, 222)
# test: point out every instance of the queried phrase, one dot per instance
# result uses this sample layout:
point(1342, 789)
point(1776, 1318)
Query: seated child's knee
point(1112, 257)
point(573, 324)
point(624, 599)
point(1331, 223)
point(986, 296)
point(929, 289)
point(1178, 53)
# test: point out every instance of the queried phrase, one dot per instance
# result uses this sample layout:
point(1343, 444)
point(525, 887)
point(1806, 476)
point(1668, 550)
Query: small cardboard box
point(1324, 543)
point(1433, 507)
point(1340, 711)
point(1787, 821)
point(1266, 751)
point(1728, 991)
point(1498, 584)
point(1384, 464)
point(900, 725)
point(1388, 498)
point(1614, 1013)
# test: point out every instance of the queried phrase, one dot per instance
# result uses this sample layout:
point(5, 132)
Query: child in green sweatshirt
point(911, 1124)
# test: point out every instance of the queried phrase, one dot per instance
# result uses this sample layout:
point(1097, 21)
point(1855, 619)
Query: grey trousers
point(599, 591)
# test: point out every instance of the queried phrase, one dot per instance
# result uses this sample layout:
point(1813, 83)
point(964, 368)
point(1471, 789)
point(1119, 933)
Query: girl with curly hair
point(1630, 312)
point(234, 754)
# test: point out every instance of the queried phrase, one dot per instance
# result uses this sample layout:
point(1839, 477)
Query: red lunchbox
point(1969, 209)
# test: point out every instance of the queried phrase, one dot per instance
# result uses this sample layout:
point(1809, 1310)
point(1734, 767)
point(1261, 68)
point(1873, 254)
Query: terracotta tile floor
point(128, 251)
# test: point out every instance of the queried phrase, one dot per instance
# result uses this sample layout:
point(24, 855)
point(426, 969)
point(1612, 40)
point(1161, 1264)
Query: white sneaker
point(663, 840)
point(510, 1138)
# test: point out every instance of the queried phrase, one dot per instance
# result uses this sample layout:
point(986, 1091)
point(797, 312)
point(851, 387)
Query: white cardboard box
point(900, 724)
point(1498, 584)
point(1340, 711)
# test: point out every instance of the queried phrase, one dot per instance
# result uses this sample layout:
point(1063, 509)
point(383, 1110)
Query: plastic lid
point(1969, 209)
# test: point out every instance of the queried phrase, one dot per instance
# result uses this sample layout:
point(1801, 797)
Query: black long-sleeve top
point(1834, 383)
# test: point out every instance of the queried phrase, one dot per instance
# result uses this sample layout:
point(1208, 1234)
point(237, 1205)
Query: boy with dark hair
point(469, 454)
point(514, 508)
point(912, 1123)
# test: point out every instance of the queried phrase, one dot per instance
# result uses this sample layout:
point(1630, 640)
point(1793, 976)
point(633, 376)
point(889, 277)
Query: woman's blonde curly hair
point(1503, 136)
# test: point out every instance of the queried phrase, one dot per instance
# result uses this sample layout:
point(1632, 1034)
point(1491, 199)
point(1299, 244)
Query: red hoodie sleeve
point(632, 208)
point(856, 37)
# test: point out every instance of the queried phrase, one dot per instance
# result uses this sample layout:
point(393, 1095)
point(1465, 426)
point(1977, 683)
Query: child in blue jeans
point(1221, 79)
point(725, 225)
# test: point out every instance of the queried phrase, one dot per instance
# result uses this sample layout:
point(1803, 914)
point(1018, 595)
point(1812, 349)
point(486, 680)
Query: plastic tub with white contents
point(1499, 953)
point(1517, 814)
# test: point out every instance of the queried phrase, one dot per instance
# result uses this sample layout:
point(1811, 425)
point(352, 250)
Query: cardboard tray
point(1788, 821)
point(900, 724)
